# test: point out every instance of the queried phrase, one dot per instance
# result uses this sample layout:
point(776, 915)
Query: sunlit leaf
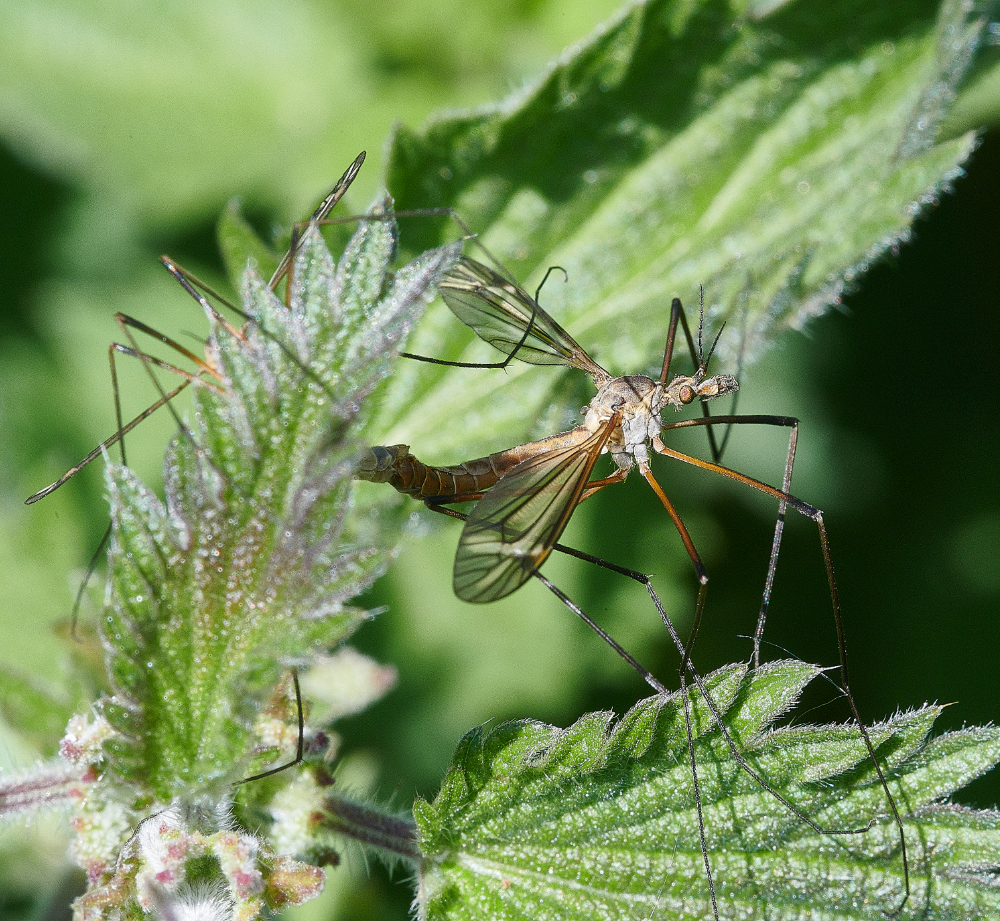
point(599, 820)
point(768, 157)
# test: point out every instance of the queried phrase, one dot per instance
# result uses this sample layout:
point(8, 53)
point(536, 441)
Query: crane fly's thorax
point(637, 401)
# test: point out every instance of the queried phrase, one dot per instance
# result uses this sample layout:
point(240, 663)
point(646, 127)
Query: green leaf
point(767, 156)
point(210, 92)
point(225, 98)
point(239, 244)
point(248, 566)
point(599, 820)
point(34, 709)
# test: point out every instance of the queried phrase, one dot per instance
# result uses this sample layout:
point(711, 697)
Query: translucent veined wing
point(509, 319)
point(512, 530)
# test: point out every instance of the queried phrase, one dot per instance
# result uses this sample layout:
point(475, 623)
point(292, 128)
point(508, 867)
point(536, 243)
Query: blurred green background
point(124, 131)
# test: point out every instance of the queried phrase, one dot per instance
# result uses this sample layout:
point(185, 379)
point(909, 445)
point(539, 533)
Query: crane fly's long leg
point(114, 439)
point(699, 567)
point(692, 759)
point(133, 351)
point(124, 320)
point(698, 359)
point(696, 678)
point(123, 429)
point(786, 485)
point(126, 324)
point(192, 284)
point(685, 649)
point(319, 215)
point(188, 376)
point(300, 749)
point(676, 313)
point(786, 499)
point(87, 576)
point(698, 681)
point(593, 487)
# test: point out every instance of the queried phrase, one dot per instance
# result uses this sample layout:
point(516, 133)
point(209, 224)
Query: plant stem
point(371, 827)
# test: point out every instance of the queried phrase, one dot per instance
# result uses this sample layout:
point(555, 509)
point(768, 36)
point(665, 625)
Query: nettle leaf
point(248, 566)
point(36, 710)
point(766, 152)
point(599, 820)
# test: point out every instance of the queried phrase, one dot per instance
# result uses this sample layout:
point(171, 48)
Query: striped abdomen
point(393, 464)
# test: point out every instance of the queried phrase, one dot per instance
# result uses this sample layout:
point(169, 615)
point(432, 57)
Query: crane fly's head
point(682, 390)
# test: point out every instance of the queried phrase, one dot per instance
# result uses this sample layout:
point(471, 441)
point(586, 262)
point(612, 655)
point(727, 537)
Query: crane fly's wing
point(512, 530)
point(509, 319)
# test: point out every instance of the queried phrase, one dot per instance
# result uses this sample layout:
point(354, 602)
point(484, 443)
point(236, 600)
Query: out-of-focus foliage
point(125, 135)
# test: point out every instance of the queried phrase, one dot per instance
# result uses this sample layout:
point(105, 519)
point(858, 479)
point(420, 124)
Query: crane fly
point(526, 495)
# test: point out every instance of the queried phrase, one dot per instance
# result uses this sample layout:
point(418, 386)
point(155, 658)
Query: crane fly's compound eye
point(686, 394)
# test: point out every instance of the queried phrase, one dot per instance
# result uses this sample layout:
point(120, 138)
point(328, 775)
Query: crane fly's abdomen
point(393, 464)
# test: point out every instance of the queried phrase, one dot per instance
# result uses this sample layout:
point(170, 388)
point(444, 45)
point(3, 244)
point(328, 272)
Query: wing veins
point(497, 552)
point(508, 318)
